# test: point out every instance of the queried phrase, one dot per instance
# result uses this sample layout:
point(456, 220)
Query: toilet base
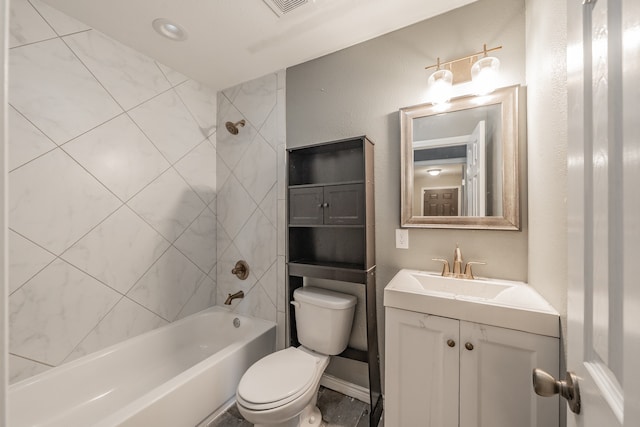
point(309, 417)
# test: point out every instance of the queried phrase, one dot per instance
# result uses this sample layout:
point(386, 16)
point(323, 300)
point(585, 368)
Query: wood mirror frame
point(509, 219)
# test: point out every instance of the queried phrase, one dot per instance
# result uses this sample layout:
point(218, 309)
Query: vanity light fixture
point(484, 74)
point(434, 172)
point(440, 85)
point(482, 71)
point(169, 29)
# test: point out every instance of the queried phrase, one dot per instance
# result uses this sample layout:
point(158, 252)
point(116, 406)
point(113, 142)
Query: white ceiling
point(232, 41)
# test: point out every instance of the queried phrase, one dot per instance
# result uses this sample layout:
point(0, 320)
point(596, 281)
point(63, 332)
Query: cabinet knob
point(468, 346)
point(451, 343)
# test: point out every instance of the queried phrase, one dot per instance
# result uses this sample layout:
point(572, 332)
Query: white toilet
point(281, 390)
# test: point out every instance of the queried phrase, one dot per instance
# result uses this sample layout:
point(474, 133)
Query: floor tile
point(337, 410)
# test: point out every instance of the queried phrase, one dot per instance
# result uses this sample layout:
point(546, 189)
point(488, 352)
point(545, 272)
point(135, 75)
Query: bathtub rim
point(130, 341)
point(258, 329)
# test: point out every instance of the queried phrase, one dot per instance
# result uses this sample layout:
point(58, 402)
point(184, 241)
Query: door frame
point(422, 189)
point(4, 297)
point(631, 207)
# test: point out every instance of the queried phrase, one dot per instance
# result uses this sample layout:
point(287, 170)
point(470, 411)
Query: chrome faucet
point(457, 266)
point(231, 297)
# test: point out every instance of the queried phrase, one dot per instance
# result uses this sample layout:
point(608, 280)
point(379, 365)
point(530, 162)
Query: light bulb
point(484, 74)
point(440, 86)
point(434, 172)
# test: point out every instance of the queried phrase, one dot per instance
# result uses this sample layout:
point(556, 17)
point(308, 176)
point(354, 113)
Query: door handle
point(544, 384)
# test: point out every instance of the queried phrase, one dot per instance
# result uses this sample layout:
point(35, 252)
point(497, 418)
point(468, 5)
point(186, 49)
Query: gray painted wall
point(359, 90)
point(547, 107)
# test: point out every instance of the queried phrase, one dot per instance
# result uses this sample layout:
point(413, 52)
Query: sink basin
point(494, 302)
point(436, 284)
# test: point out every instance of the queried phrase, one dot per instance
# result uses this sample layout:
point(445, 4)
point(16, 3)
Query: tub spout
point(231, 297)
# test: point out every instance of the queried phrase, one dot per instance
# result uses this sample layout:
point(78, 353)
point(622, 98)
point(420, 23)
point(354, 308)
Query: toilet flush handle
point(296, 304)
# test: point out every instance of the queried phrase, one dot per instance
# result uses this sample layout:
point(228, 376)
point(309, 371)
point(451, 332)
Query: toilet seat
point(279, 379)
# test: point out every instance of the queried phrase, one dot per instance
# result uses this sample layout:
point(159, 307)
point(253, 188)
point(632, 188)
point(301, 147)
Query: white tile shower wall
point(112, 192)
point(250, 216)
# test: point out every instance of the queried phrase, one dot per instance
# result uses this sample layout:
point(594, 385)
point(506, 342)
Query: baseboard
point(341, 386)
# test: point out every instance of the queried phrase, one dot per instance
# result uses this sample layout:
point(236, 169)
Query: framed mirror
point(460, 163)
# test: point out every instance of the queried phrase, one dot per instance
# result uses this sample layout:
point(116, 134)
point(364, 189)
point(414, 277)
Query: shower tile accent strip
point(113, 191)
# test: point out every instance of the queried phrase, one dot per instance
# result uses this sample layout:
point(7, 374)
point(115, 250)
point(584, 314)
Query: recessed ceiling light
point(434, 172)
point(169, 29)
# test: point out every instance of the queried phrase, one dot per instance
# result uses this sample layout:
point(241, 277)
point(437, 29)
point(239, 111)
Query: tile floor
point(337, 410)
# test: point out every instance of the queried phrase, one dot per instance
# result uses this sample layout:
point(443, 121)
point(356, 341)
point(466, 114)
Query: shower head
point(233, 127)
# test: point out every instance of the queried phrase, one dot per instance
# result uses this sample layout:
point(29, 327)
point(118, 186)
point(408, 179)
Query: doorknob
point(546, 385)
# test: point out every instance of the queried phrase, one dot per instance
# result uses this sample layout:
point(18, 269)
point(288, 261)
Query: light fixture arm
point(484, 52)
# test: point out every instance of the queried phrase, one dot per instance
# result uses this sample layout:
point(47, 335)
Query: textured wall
point(547, 80)
point(112, 191)
point(250, 176)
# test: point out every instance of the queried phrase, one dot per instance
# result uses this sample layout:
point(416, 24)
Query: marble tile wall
point(251, 197)
point(112, 205)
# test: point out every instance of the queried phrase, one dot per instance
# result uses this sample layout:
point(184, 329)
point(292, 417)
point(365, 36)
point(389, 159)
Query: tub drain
point(236, 322)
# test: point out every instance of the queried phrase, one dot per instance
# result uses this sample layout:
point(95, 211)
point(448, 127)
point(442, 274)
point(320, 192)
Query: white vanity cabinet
point(447, 373)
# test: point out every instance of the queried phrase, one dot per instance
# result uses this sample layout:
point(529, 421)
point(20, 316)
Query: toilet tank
point(323, 319)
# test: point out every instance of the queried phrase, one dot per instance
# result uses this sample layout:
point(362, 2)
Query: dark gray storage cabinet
point(341, 204)
point(331, 228)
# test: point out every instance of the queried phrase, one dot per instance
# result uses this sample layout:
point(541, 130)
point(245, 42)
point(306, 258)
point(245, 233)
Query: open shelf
point(326, 245)
point(343, 272)
point(336, 162)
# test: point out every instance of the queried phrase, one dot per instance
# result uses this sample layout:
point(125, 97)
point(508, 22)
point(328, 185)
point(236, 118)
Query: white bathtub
point(173, 376)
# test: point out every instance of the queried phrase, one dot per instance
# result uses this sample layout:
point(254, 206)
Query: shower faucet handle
point(241, 270)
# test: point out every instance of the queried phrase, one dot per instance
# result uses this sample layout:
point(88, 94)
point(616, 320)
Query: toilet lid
point(278, 378)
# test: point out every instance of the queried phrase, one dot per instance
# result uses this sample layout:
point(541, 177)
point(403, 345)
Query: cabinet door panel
point(495, 377)
point(344, 204)
point(422, 374)
point(305, 206)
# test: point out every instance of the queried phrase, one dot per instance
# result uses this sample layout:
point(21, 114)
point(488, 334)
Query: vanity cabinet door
point(422, 371)
point(495, 377)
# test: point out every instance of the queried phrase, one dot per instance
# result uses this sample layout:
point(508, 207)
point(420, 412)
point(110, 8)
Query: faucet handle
point(445, 266)
point(467, 269)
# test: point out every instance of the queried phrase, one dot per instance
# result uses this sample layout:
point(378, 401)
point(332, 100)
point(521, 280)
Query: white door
point(604, 210)
point(476, 177)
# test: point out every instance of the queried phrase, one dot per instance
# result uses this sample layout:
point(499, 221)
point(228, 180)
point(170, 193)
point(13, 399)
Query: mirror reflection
point(454, 163)
point(460, 163)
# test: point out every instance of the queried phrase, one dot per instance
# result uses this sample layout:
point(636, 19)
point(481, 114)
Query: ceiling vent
point(280, 7)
